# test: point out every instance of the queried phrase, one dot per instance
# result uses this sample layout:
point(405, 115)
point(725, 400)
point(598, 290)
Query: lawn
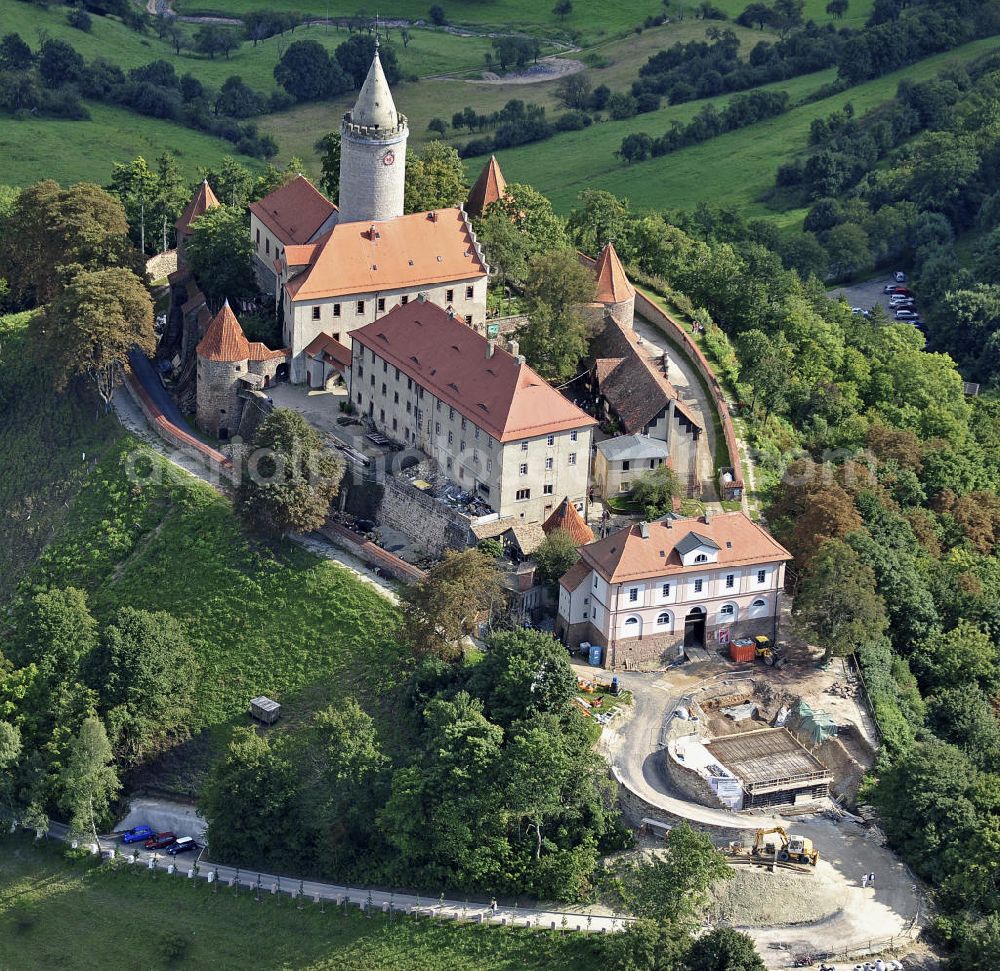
point(74, 151)
point(56, 913)
point(735, 169)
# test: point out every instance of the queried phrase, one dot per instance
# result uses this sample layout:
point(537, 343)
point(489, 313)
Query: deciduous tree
point(458, 590)
point(723, 949)
point(654, 491)
point(556, 554)
point(89, 781)
point(435, 179)
point(290, 477)
point(219, 253)
point(93, 324)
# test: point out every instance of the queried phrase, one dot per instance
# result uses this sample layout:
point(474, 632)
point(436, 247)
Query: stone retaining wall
point(372, 554)
point(169, 432)
point(161, 265)
point(426, 521)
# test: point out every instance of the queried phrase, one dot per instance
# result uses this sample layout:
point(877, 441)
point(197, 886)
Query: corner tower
point(372, 153)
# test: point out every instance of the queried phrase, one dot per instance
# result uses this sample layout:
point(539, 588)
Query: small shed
point(265, 709)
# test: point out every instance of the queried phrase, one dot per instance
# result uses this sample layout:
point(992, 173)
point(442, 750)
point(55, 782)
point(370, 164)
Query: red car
point(160, 841)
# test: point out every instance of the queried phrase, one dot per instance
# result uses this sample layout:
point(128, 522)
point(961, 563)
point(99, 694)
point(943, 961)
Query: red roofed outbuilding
point(568, 518)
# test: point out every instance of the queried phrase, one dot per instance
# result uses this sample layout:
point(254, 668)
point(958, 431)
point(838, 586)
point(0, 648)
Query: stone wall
point(220, 406)
point(367, 551)
point(370, 189)
point(212, 459)
point(161, 265)
point(425, 520)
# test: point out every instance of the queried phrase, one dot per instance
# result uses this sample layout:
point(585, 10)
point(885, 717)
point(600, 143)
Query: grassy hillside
point(74, 151)
point(56, 914)
point(734, 169)
point(428, 52)
point(49, 445)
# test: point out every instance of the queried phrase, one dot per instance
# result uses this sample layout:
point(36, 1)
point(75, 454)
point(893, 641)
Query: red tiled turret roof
point(566, 517)
point(612, 283)
point(203, 200)
point(490, 187)
point(224, 340)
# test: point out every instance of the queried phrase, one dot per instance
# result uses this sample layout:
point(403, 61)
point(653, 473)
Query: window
point(595, 580)
point(730, 581)
point(461, 445)
point(359, 397)
point(698, 584)
point(548, 462)
point(437, 428)
point(633, 595)
point(629, 621)
point(258, 236)
point(524, 446)
point(523, 469)
point(625, 486)
point(727, 610)
point(547, 489)
point(451, 414)
point(477, 433)
point(409, 384)
point(663, 620)
point(381, 304)
point(522, 494)
point(395, 397)
point(572, 436)
point(385, 367)
point(361, 370)
point(267, 246)
point(761, 576)
point(451, 437)
point(408, 407)
point(468, 319)
point(626, 465)
point(489, 465)
point(381, 415)
point(404, 300)
point(463, 423)
point(383, 387)
point(397, 373)
point(315, 313)
point(701, 558)
point(361, 307)
point(449, 295)
point(571, 458)
point(551, 440)
point(468, 293)
point(336, 310)
point(665, 590)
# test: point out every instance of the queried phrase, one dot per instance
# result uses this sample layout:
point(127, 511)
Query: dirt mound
point(756, 898)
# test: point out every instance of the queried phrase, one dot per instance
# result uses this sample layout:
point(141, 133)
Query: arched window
point(631, 620)
point(727, 612)
point(758, 608)
point(664, 619)
point(701, 558)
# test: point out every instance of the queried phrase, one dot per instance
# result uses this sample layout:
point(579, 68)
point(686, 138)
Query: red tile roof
point(499, 393)
point(203, 200)
point(574, 576)
point(627, 555)
point(294, 212)
point(566, 517)
point(490, 187)
point(225, 341)
point(420, 249)
point(612, 284)
point(331, 350)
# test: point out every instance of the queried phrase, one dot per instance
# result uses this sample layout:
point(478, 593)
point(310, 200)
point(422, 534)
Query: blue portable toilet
point(596, 655)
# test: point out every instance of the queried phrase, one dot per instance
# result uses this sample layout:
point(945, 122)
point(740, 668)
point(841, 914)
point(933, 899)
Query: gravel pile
point(757, 898)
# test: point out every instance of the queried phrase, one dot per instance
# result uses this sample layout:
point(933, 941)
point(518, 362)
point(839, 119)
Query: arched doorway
point(694, 628)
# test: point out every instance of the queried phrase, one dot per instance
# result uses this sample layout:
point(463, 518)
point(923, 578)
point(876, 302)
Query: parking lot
point(868, 294)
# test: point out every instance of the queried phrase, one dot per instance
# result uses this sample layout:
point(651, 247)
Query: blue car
point(138, 834)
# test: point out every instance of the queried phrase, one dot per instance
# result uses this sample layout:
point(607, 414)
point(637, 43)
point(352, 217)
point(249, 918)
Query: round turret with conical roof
point(372, 153)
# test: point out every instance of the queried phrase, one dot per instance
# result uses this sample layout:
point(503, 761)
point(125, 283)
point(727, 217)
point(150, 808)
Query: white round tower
point(372, 153)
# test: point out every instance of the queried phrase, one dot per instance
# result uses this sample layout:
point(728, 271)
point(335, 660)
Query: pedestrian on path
point(871, 879)
point(493, 906)
point(864, 880)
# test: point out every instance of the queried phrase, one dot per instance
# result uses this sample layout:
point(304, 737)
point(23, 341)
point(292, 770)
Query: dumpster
point(742, 650)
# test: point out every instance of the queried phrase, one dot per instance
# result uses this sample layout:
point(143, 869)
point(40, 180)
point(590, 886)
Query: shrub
point(80, 19)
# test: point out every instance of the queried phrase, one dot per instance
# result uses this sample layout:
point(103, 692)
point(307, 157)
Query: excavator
point(769, 652)
point(797, 850)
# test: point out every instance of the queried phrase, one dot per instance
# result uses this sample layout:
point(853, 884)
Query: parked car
point(896, 297)
point(910, 315)
point(899, 276)
point(138, 834)
point(859, 311)
point(183, 845)
point(907, 303)
point(160, 841)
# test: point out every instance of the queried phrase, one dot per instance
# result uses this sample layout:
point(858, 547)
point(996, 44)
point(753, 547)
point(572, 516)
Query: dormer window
point(701, 558)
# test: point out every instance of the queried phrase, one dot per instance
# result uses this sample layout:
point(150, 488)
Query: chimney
point(422, 297)
point(490, 348)
point(515, 348)
point(521, 359)
point(644, 530)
